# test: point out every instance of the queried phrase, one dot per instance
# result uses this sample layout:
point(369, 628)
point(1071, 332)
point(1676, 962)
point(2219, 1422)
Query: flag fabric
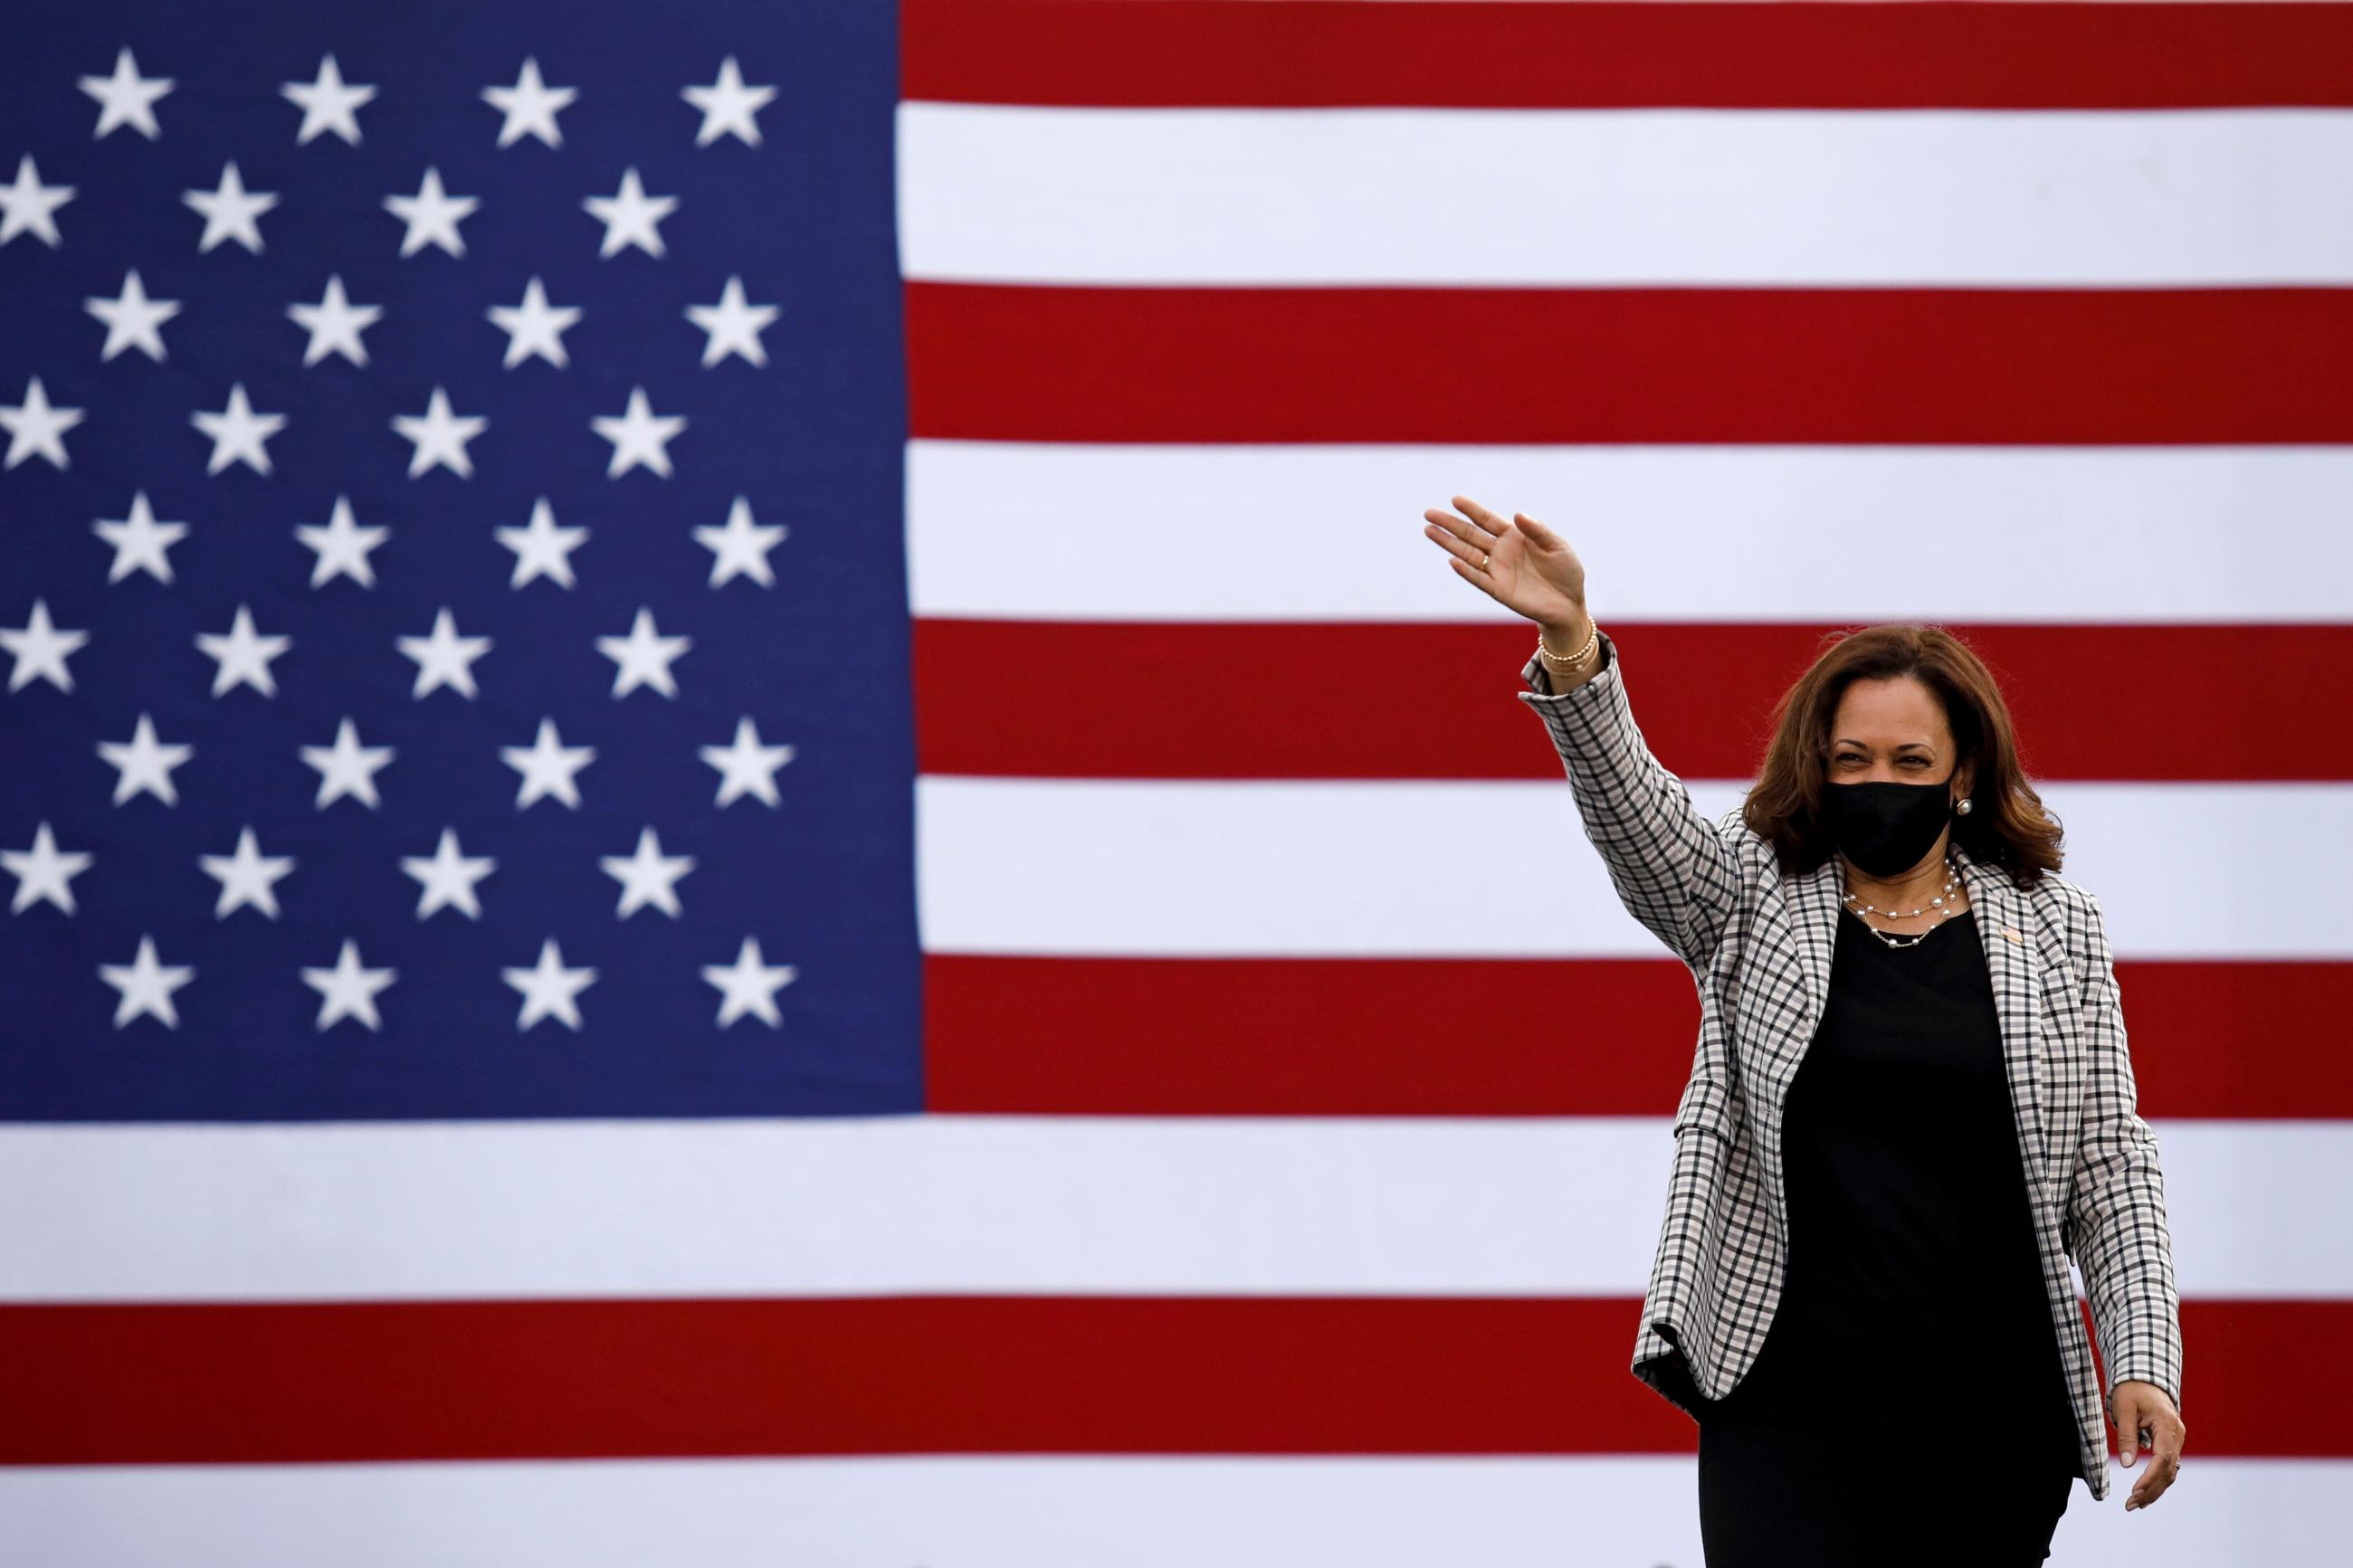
point(743, 824)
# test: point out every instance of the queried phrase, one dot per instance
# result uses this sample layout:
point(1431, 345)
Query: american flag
point(745, 825)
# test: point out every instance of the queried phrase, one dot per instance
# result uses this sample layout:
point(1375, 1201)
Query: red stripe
point(1384, 701)
point(1453, 1037)
point(2021, 366)
point(1276, 54)
point(481, 1380)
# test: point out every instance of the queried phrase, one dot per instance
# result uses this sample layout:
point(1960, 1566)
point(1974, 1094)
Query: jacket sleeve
point(1674, 870)
point(2115, 1227)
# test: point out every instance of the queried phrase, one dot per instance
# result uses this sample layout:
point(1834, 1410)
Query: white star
point(140, 541)
point(742, 547)
point(648, 876)
point(327, 104)
point(548, 988)
point(248, 877)
point(341, 545)
point(440, 437)
point(146, 984)
point(542, 550)
point(41, 648)
point(335, 324)
point(144, 763)
point(534, 327)
point(530, 107)
point(126, 98)
point(35, 428)
point(132, 318)
point(448, 877)
point(728, 106)
point(639, 436)
point(432, 216)
point(29, 206)
point(242, 654)
point(548, 765)
point(629, 216)
point(746, 766)
point(644, 658)
point(43, 872)
point(349, 989)
point(230, 210)
point(734, 326)
point(237, 433)
point(749, 985)
point(346, 768)
point(444, 658)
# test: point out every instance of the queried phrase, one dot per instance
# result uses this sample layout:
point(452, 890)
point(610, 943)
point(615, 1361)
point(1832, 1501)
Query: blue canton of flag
point(451, 564)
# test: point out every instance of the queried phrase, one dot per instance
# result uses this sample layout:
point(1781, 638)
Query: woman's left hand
point(2145, 1415)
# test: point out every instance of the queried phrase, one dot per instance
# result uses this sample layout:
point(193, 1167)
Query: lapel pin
point(2013, 934)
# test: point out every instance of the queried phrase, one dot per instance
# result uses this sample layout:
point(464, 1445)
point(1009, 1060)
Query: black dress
point(1909, 1404)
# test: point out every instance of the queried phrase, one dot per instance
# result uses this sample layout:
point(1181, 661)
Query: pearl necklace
point(1940, 903)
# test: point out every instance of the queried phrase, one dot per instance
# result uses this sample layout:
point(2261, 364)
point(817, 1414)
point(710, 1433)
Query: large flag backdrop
point(743, 824)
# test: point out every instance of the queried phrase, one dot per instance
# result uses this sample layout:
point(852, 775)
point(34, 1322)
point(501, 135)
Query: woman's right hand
point(1530, 570)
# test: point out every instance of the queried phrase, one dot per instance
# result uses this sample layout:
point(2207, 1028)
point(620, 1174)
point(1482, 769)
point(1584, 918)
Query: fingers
point(2152, 1423)
point(1487, 520)
point(1452, 527)
point(2156, 1476)
point(1470, 542)
point(2132, 1422)
point(1468, 558)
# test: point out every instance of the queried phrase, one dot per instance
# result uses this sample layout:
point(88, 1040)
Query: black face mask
point(1886, 826)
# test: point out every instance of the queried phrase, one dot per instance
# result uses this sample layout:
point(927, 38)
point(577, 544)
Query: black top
point(1912, 1267)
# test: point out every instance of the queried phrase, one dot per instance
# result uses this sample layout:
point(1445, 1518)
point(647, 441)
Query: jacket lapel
point(1811, 905)
point(2006, 930)
point(2013, 957)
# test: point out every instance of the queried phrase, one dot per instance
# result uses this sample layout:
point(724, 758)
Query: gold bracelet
point(1568, 661)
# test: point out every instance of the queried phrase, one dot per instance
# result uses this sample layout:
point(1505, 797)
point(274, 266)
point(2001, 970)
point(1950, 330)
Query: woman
point(1910, 1104)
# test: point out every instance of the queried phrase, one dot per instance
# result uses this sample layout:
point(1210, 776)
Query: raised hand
point(1521, 564)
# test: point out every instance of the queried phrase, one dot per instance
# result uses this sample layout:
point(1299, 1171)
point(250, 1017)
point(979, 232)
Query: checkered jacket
point(1759, 945)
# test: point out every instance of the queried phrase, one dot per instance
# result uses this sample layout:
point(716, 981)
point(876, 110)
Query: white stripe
point(1495, 1511)
point(1324, 867)
point(1545, 197)
point(1024, 531)
point(1322, 1205)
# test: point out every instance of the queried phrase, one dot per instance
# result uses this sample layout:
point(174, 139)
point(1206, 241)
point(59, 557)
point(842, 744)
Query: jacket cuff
point(2147, 1362)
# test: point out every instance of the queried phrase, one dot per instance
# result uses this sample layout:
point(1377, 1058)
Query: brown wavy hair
point(2007, 823)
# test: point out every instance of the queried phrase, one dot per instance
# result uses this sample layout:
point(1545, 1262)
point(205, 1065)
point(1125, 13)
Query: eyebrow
point(1906, 746)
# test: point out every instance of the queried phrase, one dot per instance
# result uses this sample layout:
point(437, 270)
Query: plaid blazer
point(1759, 945)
